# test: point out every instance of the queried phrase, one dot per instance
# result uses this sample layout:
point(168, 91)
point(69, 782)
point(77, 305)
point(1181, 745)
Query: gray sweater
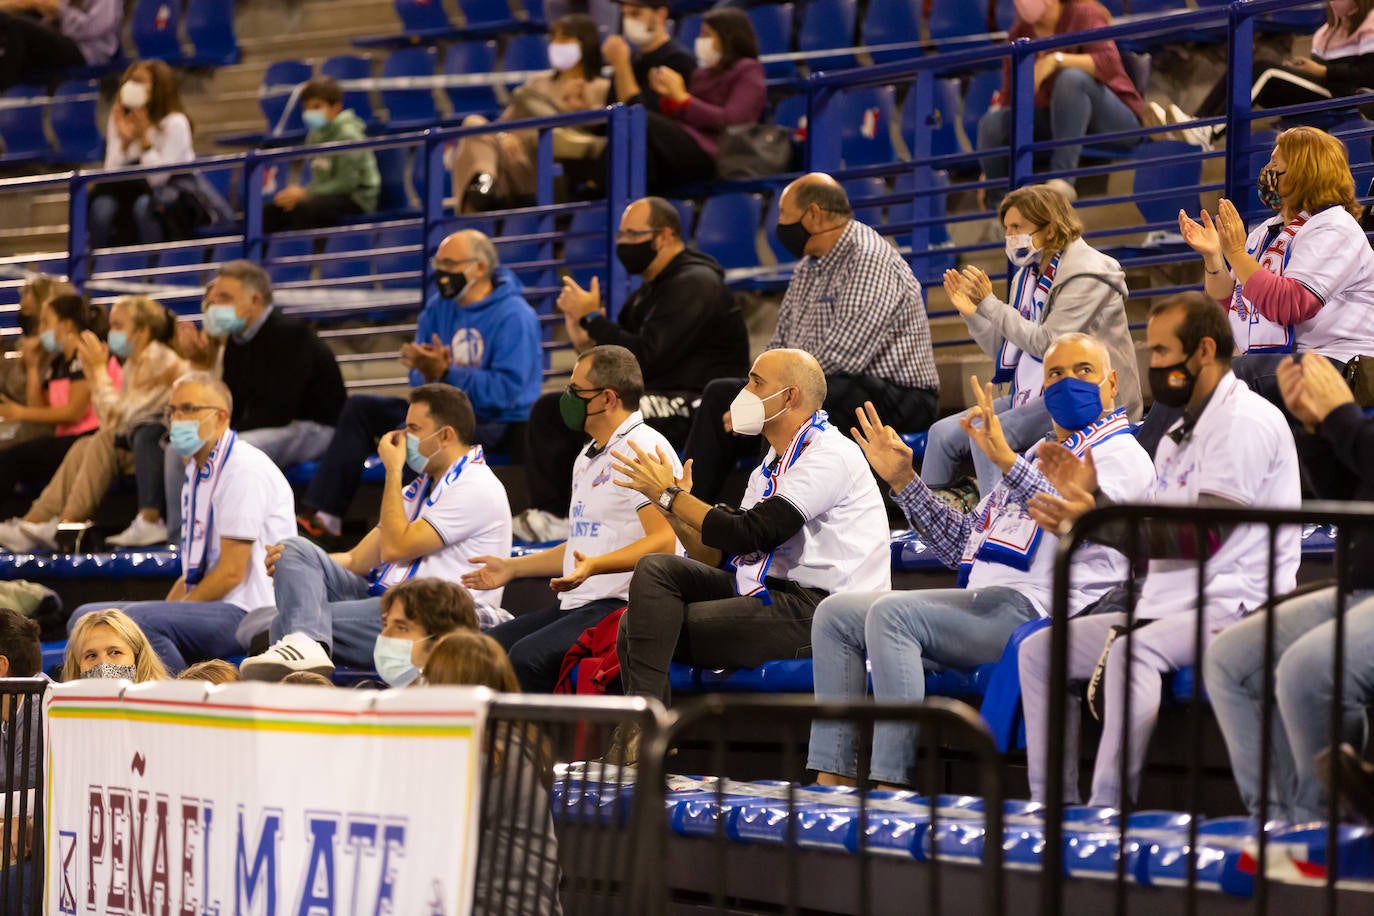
point(1088, 295)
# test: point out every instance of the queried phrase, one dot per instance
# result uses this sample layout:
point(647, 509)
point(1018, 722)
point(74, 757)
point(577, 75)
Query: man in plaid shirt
point(854, 304)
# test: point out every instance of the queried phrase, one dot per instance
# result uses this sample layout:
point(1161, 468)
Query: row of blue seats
point(903, 824)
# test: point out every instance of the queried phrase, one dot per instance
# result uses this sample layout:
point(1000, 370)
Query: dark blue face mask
point(1074, 403)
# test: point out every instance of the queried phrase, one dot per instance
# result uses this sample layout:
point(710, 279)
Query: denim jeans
point(902, 633)
point(1304, 645)
point(1079, 106)
point(105, 212)
point(180, 632)
point(149, 459)
point(323, 600)
point(536, 641)
point(948, 445)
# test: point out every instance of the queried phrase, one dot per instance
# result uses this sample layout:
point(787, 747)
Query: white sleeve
point(818, 481)
point(1323, 256)
point(461, 512)
point(174, 143)
point(115, 155)
point(1233, 461)
point(1125, 473)
point(242, 503)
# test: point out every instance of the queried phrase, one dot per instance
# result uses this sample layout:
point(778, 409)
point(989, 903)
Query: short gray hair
point(617, 369)
point(250, 275)
point(1086, 340)
point(828, 195)
point(481, 248)
point(210, 381)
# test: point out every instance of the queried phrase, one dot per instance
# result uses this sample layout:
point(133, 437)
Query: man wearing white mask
point(236, 502)
point(811, 524)
point(645, 27)
point(329, 606)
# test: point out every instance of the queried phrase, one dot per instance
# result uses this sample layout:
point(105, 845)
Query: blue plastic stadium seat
point(958, 23)
point(862, 189)
point(1318, 541)
point(295, 272)
point(401, 262)
point(354, 268)
point(154, 25)
point(274, 92)
point(470, 57)
point(1001, 707)
point(1160, 191)
point(910, 553)
point(794, 675)
point(525, 52)
point(210, 26)
point(916, 442)
point(866, 126)
point(688, 30)
point(727, 229)
point(944, 125)
point(828, 24)
point(353, 67)
point(74, 122)
point(155, 563)
point(407, 109)
point(978, 99)
point(585, 247)
point(889, 22)
point(21, 127)
point(773, 26)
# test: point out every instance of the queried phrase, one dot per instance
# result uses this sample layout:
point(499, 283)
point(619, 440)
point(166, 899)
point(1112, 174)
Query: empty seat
point(355, 266)
point(400, 262)
point(422, 18)
point(686, 213)
point(791, 112)
point(189, 259)
point(773, 25)
point(525, 52)
point(289, 248)
point(964, 22)
point(352, 67)
point(689, 28)
point(828, 24)
point(74, 122)
point(892, 22)
point(280, 78)
point(866, 126)
point(727, 229)
point(21, 127)
point(409, 108)
point(154, 26)
point(392, 165)
point(516, 250)
point(492, 17)
point(471, 57)
point(584, 251)
point(943, 126)
point(861, 189)
point(1162, 190)
point(978, 99)
point(210, 26)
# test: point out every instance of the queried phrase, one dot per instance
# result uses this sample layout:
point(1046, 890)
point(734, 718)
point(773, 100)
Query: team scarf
point(1257, 333)
point(418, 497)
point(198, 508)
point(1003, 530)
point(1030, 303)
point(751, 569)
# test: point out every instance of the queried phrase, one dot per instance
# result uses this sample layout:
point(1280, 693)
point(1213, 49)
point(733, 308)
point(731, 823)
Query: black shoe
point(480, 196)
point(1355, 778)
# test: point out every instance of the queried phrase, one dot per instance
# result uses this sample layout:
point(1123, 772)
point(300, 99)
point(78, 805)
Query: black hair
point(663, 215)
point(436, 604)
point(81, 313)
point(583, 28)
point(827, 195)
point(1202, 317)
point(448, 406)
point(736, 34)
point(19, 642)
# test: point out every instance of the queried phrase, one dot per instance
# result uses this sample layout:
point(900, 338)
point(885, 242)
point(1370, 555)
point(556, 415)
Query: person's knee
point(1302, 677)
point(1228, 658)
point(1033, 656)
point(838, 621)
point(1071, 86)
point(298, 551)
point(993, 127)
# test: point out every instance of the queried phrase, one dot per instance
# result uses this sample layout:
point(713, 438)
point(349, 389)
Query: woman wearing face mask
point(498, 169)
point(37, 290)
point(108, 644)
point(58, 393)
point(517, 857)
point(1303, 279)
point(148, 126)
point(131, 430)
point(1061, 285)
point(726, 88)
point(1079, 90)
point(41, 39)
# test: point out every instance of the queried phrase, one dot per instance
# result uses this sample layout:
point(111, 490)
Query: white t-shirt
point(1331, 257)
point(844, 545)
point(603, 517)
point(252, 502)
point(470, 512)
point(169, 142)
point(1125, 474)
point(1241, 449)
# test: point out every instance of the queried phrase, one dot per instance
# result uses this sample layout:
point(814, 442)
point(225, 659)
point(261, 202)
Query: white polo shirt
point(1241, 449)
point(603, 517)
point(844, 545)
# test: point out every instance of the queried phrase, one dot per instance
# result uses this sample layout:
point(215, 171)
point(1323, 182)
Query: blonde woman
point(108, 644)
point(130, 433)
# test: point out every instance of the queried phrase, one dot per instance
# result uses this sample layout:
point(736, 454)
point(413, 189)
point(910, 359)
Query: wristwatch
point(586, 320)
point(665, 499)
point(1059, 60)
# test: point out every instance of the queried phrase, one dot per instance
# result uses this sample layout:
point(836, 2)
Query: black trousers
point(682, 610)
point(672, 156)
point(1279, 90)
point(551, 448)
point(315, 212)
point(714, 451)
point(31, 52)
point(32, 461)
point(536, 641)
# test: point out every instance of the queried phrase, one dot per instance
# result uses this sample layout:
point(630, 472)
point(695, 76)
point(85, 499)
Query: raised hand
point(984, 429)
point(93, 353)
point(1065, 471)
point(1201, 237)
point(888, 455)
point(1323, 389)
point(574, 301)
point(583, 569)
point(1289, 374)
point(646, 474)
point(1230, 230)
point(960, 293)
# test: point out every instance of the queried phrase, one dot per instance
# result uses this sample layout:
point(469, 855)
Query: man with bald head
point(1005, 562)
point(234, 502)
point(855, 306)
point(681, 324)
point(476, 333)
point(811, 524)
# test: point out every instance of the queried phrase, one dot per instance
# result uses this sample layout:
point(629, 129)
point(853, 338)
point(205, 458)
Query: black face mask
point(28, 325)
point(793, 237)
point(451, 284)
point(636, 257)
point(1173, 385)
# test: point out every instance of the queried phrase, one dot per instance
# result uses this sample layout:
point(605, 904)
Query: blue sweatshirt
point(497, 356)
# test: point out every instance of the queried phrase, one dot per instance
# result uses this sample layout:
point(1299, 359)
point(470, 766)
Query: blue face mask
point(119, 344)
point(416, 461)
point(1073, 403)
point(222, 320)
point(314, 119)
point(184, 437)
point(49, 341)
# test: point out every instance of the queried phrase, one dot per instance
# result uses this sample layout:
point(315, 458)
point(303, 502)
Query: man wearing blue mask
point(476, 333)
point(1005, 562)
point(329, 606)
point(235, 502)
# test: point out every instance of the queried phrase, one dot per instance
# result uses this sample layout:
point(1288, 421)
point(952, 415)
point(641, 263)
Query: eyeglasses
point(174, 411)
point(448, 266)
point(579, 392)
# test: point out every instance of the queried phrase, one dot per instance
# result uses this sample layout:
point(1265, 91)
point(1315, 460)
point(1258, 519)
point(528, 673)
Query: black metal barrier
point(1139, 527)
point(21, 756)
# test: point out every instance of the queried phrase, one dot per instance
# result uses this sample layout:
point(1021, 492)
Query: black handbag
point(753, 151)
point(1359, 375)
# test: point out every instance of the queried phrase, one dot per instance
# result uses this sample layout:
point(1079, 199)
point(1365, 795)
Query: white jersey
point(1242, 450)
point(470, 512)
point(844, 545)
point(1329, 255)
point(603, 517)
point(1012, 551)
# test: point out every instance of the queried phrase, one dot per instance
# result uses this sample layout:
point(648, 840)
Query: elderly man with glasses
point(477, 333)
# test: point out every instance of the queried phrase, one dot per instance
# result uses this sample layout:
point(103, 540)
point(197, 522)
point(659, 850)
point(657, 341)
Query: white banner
point(182, 798)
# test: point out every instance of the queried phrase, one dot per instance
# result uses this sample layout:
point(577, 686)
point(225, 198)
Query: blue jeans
point(1079, 106)
point(105, 212)
point(180, 632)
point(901, 633)
point(326, 602)
point(1304, 644)
point(149, 460)
point(948, 445)
point(536, 641)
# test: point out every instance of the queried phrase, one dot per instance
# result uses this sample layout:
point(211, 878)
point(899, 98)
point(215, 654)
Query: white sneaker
point(1063, 187)
point(13, 538)
point(293, 652)
point(1197, 136)
point(140, 533)
point(43, 534)
point(539, 526)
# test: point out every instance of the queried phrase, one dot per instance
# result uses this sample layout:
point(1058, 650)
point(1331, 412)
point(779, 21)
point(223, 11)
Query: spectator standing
point(341, 185)
point(41, 39)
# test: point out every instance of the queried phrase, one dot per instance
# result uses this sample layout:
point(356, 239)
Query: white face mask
point(1021, 250)
point(636, 32)
point(747, 413)
point(391, 656)
point(564, 55)
point(707, 54)
point(133, 95)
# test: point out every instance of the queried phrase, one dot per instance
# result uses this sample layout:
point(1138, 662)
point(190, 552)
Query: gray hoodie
point(1089, 296)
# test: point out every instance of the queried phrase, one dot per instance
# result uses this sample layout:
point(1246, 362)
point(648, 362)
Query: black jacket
point(683, 326)
point(1339, 459)
point(284, 373)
